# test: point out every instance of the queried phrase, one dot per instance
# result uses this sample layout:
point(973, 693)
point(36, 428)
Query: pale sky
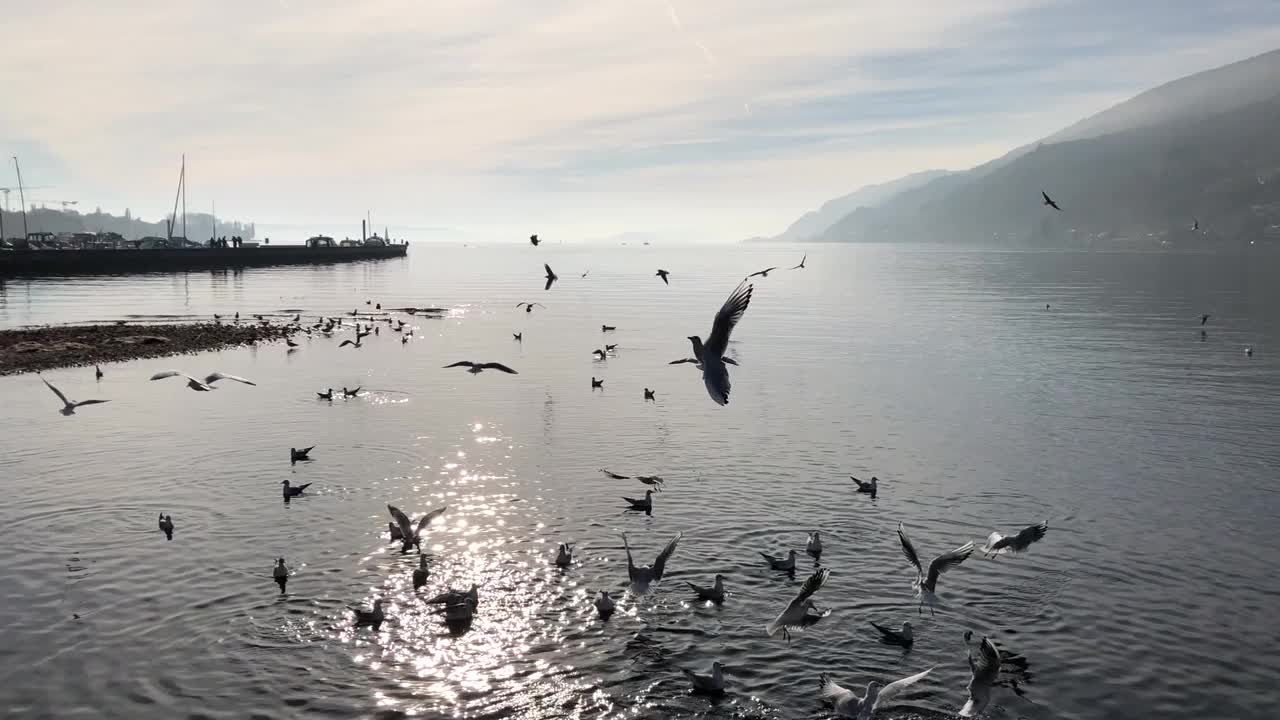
point(702, 120)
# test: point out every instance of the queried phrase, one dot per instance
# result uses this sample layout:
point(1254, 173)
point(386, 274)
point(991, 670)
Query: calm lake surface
point(1151, 450)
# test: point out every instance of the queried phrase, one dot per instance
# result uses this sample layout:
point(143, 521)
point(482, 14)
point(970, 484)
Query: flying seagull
point(787, 564)
point(644, 576)
point(201, 386)
point(1195, 224)
point(290, 491)
point(714, 594)
point(421, 573)
point(646, 504)
point(710, 684)
point(1049, 201)
point(998, 544)
point(533, 240)
point(166, 526)
point(663, 274)
point(762, 273)
point(801, 265)
point(528, 306)
point(926, 583)
point(372, 617)
point(353, 343)
point(280, 573)
point(653, 480)
point(984, 670)
point(895, 637)
point(69, 407)
point(410, 532)
point(476, 368)
point(868, 487)
point(551, 276)
point(300, 454)
point(709, 356)
point(848, 704)
point(796, 614)
point(1204, 318)
point(615, 475)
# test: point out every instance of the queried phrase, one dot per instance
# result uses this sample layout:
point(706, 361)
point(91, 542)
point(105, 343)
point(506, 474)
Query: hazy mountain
point(1200, 147)
point(816, 222)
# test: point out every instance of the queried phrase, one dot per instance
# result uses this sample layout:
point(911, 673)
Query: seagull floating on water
point(290, 491)
point(280, 573)
point(458, 597)
point(870, 487)
point(663, 274)
point(848, 704)
point(645, 576)
point(604, 604)
point(608, 328)
point(564, 555)
point(984, 669)
point(600, 354)
point(528, 306)
point(518, 337)
point(97, 372)
point(709, 356)
point(372, 617)
point(1248, 351)
point(290, 343)
point(801, 265)
point(299, 455)
point(596, 383)
point(814, 545)
point(411, 533)
point(648, 395)
point(646, 504)
point(711, 684)
point(762, 273)
point(476, 368)
point(421, 573)
point(351, 393)
point(926, 583)
point(786, 565)
point(201, 386)
point(166, 526)
point(610, 348)
point(1049, 201)
point(797, 612)
point(998, 544)
point(551, 276)
point(69, 407)
point(714, 594)
point(901, 637)
point(533, 240)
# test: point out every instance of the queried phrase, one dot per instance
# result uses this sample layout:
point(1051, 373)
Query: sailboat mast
point(22, 198)
point(184, 199)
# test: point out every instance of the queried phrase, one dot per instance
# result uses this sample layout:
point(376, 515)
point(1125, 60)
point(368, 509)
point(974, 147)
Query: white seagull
point(796, 613)
point(926, 583)
point(709, 355)
point(998, 544)
point(68, 406)
point(710, 684)
point(644, 576)
point(985, 669)
point(201, 385)
point(848, 704)
point(411, 533)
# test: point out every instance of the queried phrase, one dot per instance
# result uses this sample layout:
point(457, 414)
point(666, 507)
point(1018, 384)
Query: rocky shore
point(45, 348)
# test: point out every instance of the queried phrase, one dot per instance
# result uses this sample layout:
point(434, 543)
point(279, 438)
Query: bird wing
point(345, 343)
point(425, 520)
point(1030, 534)
point(58, 392)
point(89, 402)
point(946, 561)
point(168, 374)
point(540, 305)
point(835, 693)
point(461, 363)
point(686, 360)
point(615, 475)
point(888, 691)
point(886, 632)
point(551, 274)
point(812, 585)
point(215, 377)
point(497, 366)
point(631, 565)
point(908, 549)
point(715, 375)
point(633, 501)
point(992, 541)
point(860, 484)
point(660, 564)
point(987, 665)
point(728, 316)
point(521, 304)
point(406, 527)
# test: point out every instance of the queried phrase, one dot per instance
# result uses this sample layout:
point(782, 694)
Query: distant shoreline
point(29, 350)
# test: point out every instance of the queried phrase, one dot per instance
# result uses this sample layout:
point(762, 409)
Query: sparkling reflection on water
point(939, 371)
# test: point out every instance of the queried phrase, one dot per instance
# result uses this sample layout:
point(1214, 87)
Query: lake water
point(1151, 450)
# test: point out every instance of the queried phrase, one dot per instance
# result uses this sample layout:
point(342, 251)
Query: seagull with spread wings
point(69, 406)
point(411, 532)
point(709, 355)
point(849, 704)
point(1049, 201)
point(796, 614)
point(476, 368)
point(926, 583)
point(998, 544)
point(551, 276)
point(801, 265)
point(645, 576)
point(984, 669)
point(528, 306)
point(198, 385)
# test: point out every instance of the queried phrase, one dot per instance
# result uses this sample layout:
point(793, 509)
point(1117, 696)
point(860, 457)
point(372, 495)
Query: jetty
point(115, 261)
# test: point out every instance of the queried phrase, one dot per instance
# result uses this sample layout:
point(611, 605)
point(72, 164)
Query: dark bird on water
point(551, 276)
point(166, 526)
point(597, 383)
point(599, 354)
point(296, 455)
point(289, 491)
point(421, 574)
point(325, 395)
point(410, 531)
point(801, 265)
point(533, 240)
point(528, 306)
point(762, 273)
point(372, 618)
point(645, 504)
point(648, 394)
point(518, 337)
point(890, 636)
point(1049, 201)
point(870, 487)
point(611, 348)
point(476, 368)
point(1195, 224)
point(608, 328)
point(998, 544)
point(97, 372)
point(1204, 318)
point(663, 274)
point(350, 393)
point(709, 355)
point(280, 573)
